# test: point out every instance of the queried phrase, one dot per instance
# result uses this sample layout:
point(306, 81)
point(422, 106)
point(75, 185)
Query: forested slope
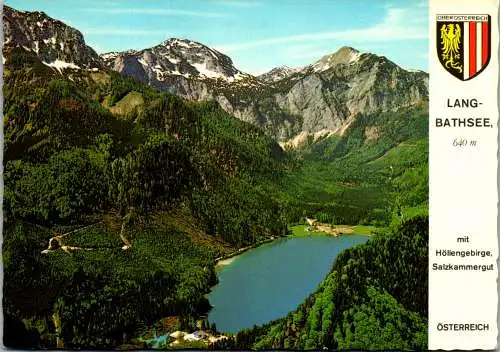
point(174, 179)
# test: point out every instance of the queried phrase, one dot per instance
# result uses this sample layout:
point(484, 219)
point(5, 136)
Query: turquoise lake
point(266, 283)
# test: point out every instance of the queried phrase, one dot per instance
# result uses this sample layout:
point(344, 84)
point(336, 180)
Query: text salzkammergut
point(462, 267)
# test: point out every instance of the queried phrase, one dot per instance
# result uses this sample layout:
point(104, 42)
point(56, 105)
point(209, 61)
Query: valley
point(129, 175)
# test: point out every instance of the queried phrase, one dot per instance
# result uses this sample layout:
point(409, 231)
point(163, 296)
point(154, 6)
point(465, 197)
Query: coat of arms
point(463, 44)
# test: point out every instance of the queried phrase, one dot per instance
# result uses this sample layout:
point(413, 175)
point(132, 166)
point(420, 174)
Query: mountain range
point(129, 175)
point(290, 104)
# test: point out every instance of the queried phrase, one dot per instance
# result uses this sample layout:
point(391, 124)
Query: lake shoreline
point(320, 229)
point(265, 284)
point(227, 259)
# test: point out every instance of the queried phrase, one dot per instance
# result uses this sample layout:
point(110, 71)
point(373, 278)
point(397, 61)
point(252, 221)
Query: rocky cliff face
point(322, 98)
point(319, 99)
point(175, 57)
point(55, 43)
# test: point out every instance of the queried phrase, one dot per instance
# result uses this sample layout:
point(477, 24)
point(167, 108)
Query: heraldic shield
point(464, 44)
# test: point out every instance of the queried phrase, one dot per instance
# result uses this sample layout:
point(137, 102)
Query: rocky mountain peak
point(55, 43)
point(182, 43)
point(175, 57)
point(344, 56)
point(277, 74)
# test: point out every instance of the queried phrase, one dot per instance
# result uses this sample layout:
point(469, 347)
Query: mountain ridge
point(182, 57)
point(55, 43)
point(290, 104)
point(318, 99)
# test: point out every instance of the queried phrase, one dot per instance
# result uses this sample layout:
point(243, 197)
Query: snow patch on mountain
point(173, 60)
point(414, 70)
point(278, 73)
point(48, 38)
point(354, 57)
point(109, 56)
point(61, 65)
point(182, 43)
point(177, 57)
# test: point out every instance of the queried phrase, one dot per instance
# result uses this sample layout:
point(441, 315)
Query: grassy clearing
point(300, 230)
point(128, 103)
point(364, 230)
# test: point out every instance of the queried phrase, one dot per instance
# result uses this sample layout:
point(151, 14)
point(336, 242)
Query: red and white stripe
point(476, 48)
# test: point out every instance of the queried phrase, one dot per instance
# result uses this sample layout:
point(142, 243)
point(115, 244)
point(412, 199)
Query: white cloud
point(238, 3)
point(153, 12)
point(398, 24)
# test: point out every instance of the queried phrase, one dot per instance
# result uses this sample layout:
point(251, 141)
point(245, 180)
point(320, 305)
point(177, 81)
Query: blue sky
point(257, 34)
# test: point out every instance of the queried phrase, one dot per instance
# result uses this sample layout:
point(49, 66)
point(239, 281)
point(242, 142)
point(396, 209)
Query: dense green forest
point(179, 177)
point(180, 184)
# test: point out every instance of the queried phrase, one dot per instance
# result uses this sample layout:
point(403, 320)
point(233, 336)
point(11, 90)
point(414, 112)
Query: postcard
point(463, 196)
point(250, 175)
